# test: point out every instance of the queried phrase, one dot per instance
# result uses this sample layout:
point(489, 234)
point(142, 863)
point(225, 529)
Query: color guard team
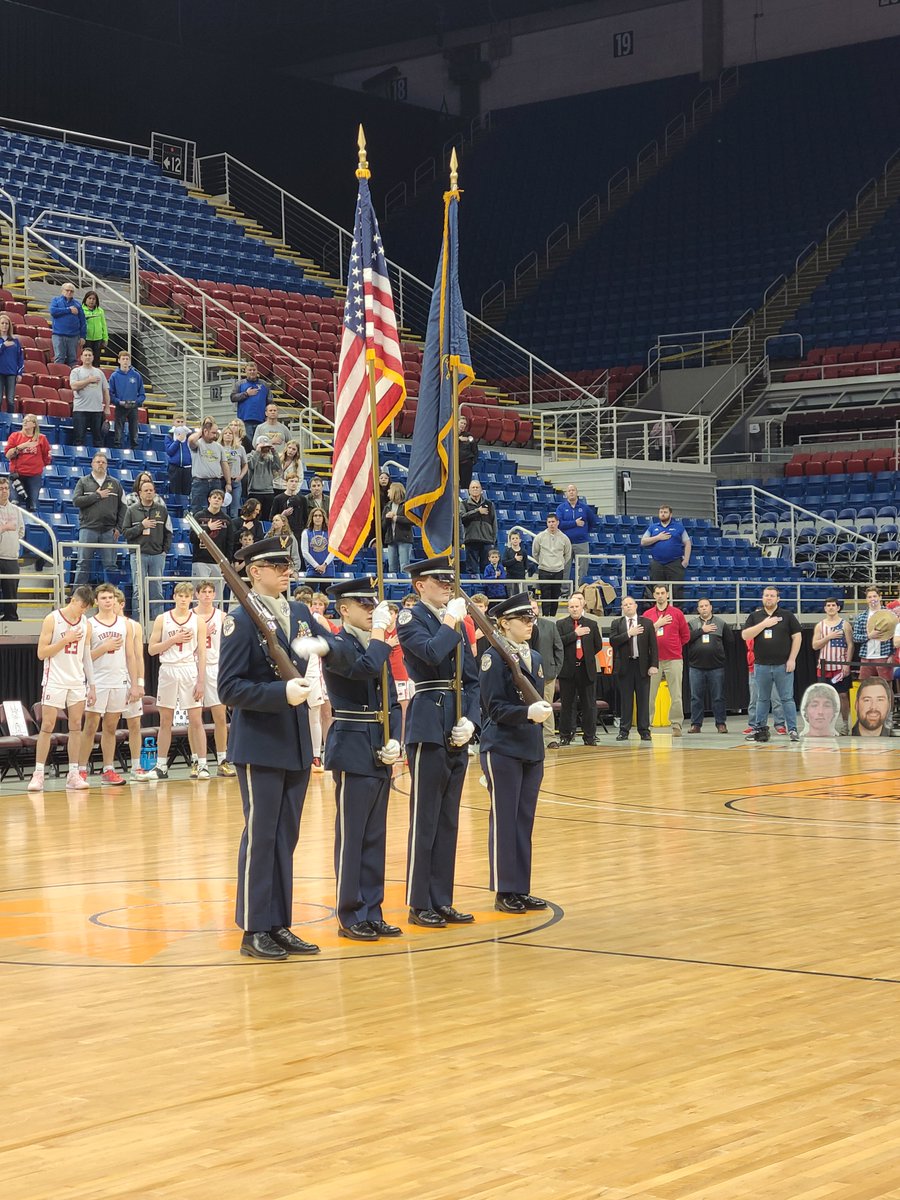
point(207, 659)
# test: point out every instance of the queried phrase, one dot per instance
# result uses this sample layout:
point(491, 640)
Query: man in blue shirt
point(126, 393)
point(670, 548)
point(69, 327)
point(576, 520)
point(251, 396)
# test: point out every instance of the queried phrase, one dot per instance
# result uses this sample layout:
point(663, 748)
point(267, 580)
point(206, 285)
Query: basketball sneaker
point(138, 775)
point(75, 782)
point(195, 769)
point(37, 780)
point(113, 778)
point(201, 773)
point(227, 769)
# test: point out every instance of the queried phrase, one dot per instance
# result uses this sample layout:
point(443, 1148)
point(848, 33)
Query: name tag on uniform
point(706, 639)
point(767, 633)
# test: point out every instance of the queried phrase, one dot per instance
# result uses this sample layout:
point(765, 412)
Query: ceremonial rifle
point(526, 688)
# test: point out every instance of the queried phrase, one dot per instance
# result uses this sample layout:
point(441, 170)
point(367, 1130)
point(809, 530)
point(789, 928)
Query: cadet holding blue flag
point(512, 753)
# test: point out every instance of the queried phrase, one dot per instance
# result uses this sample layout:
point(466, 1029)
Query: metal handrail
point(555, 238)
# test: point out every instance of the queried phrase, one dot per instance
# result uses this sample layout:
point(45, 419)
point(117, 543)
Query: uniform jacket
point(265, 729)
point(429, 652)
point(352, 677)
point(506, 727)
point(590, 646)
point(648, 653)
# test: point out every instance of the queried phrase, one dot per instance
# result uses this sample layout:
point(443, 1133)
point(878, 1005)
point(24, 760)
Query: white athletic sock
point(107, 766)
point(201, 762)
point(162, 762)
point(221, 755)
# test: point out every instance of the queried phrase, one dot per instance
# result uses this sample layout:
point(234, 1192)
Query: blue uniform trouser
point(437, 777)
point(273, 801)
point(513, 786)
point(360, 838)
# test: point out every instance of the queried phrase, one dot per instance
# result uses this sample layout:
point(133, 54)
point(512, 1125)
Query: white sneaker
point(37, 780)
point(141, 776)
point(75, 783)
point(202, 773)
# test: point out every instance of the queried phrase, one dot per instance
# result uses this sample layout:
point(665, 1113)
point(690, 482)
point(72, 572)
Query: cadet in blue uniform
point(512, 755)
point(435, 741)
point(269, 743)
point(359, 758)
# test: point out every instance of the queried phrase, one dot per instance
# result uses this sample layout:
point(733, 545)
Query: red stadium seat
point(35, 406)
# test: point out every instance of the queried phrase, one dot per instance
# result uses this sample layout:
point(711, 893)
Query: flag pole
point(454, 474)
point(363, 172)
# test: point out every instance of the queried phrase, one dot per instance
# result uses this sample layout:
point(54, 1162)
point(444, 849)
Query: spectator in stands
point(91, 405)
point(577, 520)
point(661, 441)
point(670, 547)
point(291, 463)
point(68, 326)
point(96, 335)
point(315, 497)
point(148, 530)
point(12, 363)
point(28, 452)
point(251, 396)
point(278, 434)
point(314, 545)
point(833, 638)
point(236, 457)
point(479, 525)
point(581, 641)
point(209, 464)
point(468, 456)
point(384, 483)
point(244, 539)
point(874, 653)
point(12, 530)
point(552, 552)
point(126, 391)
point(249, 522)
point(711, 642)
point(672, 635)
point(263, 464)
point(635, 662)
point(282, 530)
point(518, 565)
point(292, 506)
point(493, 571)
point(396, 530)
point(546, 640)
point(101, 509)
point(178, 455)
point(240, 430)
point(776, 643)
point(215, 522)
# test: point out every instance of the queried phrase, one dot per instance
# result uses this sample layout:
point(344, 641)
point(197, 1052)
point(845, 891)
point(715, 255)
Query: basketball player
point(134, 710)
point(212, 617)
point(112, 652)
point(64, 649)
point(179, 639)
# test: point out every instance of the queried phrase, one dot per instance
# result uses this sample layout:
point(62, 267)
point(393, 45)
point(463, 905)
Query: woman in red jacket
point(28, 452)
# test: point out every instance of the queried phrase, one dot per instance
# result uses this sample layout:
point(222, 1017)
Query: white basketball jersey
point(66, 668)
point(110, 670)
point(213, 637)
point(183, 654)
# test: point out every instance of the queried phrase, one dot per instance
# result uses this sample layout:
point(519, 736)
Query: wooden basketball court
point(709, 1010)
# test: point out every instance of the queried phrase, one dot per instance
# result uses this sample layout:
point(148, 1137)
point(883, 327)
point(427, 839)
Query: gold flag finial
point(362, 171)
point(454, 172)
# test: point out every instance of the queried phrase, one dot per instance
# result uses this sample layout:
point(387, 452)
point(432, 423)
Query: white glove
point(389, 752)
point(539, 711)
point(456, 608)
point(309, 647)
point(462, 731)
point(382, 616)
point(227, 499)
point(297, 690)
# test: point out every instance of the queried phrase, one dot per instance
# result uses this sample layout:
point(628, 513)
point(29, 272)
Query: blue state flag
point(432, 471)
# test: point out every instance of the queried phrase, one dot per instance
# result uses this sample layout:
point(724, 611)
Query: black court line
point(705, 962)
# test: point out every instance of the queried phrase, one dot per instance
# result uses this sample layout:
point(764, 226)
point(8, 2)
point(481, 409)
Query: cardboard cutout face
point(820, 710)
point(874, 702)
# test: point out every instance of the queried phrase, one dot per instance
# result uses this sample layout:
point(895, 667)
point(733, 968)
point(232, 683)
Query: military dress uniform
point(269, 743)
point(512, 759)
point(352, 673)
point(437, 772)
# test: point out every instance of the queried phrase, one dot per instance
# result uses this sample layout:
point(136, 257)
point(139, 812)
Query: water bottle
point(148, 754)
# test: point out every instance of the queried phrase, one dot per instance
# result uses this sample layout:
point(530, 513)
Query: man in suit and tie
point(635, 660)
point(582, 641)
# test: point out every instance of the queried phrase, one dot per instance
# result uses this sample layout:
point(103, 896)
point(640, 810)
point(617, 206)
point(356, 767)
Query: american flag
point(370, 332)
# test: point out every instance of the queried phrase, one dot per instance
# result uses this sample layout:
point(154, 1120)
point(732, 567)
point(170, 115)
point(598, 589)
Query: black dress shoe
point(361, 931)
point(533, 903)
point(289, 941)
point(590, 741)
point(622, 737)
point(509, 902)
point(384, 930)
point(427, 918)
point(565, 741)
point(645, 737)
point(452, 915)
point(262, 945)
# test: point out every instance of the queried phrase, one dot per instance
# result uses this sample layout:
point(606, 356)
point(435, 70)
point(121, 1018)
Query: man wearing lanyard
point(635, 662)
point(672, 634)
point(777, 639)
point(582, 641)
